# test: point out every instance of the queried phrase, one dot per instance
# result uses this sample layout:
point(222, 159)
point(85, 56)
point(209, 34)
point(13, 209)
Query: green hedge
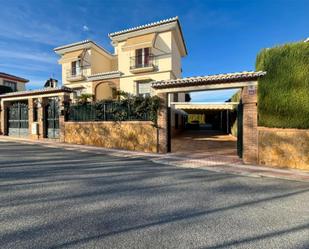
point(284, 91)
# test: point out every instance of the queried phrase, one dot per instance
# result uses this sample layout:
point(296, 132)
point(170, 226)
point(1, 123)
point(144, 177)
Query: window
point(142, 57)
point(11, 84)
point(76, 68)
point(175, 99)
point(143, 88)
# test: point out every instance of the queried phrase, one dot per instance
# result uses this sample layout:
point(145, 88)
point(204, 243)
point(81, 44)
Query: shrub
point(284, 92)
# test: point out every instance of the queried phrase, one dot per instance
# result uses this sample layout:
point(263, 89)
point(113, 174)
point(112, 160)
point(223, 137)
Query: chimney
point(51, 83)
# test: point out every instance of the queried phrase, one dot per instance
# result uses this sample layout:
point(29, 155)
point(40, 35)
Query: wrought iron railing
point(105, 111)
point(142, 61)
point(75, 72)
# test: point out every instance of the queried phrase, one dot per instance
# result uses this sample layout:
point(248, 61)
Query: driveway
point(57, 198)
point(201, 144)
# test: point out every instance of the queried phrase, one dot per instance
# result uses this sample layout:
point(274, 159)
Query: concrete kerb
point(185, 162)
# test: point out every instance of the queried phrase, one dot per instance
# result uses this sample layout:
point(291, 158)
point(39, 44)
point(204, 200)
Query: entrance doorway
point(52, 118)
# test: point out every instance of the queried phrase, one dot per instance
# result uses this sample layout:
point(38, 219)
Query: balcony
point(75, 74)
point(143, 63)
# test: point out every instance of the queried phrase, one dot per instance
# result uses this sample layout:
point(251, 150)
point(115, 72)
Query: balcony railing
point(75, 73)
point(142, 61)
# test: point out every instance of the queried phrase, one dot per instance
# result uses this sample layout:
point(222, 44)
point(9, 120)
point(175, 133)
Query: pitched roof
point(80, 43)
point(149, 25)
point(13, 77)
point(36, 92)
point(209, 79)
point(72, 45)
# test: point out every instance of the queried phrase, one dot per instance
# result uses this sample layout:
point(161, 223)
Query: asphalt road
point(56, 198)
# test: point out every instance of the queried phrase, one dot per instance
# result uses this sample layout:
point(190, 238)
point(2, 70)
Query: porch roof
point(187, 106)
point(208, 80)
point(36, 92)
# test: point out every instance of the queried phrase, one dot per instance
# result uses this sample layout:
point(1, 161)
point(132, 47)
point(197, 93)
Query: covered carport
point(246, 81)
point(210, 135)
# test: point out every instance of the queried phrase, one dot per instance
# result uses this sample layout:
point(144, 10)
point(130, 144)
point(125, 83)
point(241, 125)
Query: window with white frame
point(143, 88)
point(11, 84)
point(142, 57)
point(76, 68)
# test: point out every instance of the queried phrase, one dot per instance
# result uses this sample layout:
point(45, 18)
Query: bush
point(284, 91)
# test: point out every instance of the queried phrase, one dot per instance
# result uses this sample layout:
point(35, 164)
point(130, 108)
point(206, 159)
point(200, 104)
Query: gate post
point(41, 117)
point(250, 125)
point(162, 123)
point(4, 118)
point(30, 118)
point(63, 100)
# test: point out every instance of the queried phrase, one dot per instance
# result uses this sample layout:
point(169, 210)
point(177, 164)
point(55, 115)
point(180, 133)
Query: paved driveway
point(56, 198)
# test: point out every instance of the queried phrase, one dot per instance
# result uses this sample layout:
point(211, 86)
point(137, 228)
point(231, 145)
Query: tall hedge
point(283, 96)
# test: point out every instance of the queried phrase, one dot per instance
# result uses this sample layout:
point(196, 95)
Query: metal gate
point(52, 118)
point(240, 129)
point(18, 123)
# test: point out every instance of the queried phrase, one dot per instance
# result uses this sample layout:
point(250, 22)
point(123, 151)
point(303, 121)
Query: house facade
point(14, 82)
point(141, 55)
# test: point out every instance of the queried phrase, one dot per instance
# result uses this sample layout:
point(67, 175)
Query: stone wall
point(284, 147)
point(128, 135)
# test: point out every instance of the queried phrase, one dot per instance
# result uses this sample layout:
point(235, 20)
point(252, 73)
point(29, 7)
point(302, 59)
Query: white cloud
point(85, 28)
point(32, 56)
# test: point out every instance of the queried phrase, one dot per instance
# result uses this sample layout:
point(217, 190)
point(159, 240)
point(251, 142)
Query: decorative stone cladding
point(128, 135)
point(284, 147)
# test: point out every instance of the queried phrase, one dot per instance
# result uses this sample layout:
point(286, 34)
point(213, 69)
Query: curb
point(178, 161)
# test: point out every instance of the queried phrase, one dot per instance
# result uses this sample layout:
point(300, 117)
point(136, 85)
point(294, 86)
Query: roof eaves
point(217, 78)
point(81, 43)
point(36, 92)
point(145, 26)
point(104, 75)
point(13, 77)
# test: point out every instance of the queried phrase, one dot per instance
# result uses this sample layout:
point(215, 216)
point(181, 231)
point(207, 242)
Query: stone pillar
point(163, 126)
point(63, 101)
point(250, 125)
point(4, 118)
point(41, 123)
point(30, 119)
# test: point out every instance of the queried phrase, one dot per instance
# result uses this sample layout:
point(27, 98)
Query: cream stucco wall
point(167, 62)
point(100, 62)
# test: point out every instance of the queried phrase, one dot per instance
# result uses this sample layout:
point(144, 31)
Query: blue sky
point(221, 36)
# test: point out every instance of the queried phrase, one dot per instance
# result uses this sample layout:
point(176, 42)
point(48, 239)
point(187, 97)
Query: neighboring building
point(14, 82)
point(141, 55)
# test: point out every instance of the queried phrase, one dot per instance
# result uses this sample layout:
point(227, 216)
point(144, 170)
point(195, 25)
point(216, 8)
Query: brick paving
point(215, 163)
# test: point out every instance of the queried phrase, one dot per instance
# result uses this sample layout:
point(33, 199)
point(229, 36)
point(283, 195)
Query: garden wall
point(284, 147)
point(128, 135)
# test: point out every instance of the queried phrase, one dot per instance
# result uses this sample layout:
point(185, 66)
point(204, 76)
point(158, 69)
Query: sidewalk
point(211, 163)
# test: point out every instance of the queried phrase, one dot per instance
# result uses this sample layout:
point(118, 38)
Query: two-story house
point(141, 55)
point(14, 82)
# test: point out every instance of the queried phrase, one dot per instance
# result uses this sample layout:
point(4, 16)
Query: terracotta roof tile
point(210, 79)
point(149, 25)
